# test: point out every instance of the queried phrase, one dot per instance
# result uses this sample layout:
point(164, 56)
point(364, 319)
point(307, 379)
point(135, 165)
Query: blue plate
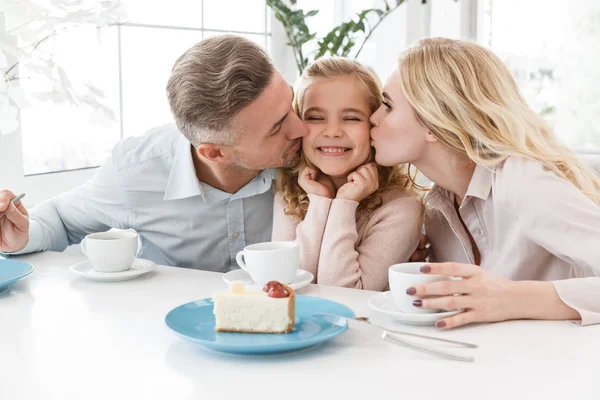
point(12, 271)
point(195, 321)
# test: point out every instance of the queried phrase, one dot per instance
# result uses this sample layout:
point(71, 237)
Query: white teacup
point(270, 261)
point(406, 275)
point(112, 251)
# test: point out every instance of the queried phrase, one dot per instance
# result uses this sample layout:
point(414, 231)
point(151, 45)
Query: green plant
point(340, 41)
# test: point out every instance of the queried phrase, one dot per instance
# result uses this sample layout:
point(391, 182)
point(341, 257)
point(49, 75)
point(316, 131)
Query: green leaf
point(548, 110)
point(359, 27)
point(347, 48)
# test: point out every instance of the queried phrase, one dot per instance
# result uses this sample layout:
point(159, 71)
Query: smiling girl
point(351, 217)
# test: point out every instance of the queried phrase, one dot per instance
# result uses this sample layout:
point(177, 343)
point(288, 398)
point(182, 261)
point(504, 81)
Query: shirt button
point(235, 235)
point(478, 232)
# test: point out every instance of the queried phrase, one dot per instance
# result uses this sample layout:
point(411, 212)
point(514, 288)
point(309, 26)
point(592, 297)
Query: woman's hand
point(486, 297)
point(361, 184)
point(314, 183)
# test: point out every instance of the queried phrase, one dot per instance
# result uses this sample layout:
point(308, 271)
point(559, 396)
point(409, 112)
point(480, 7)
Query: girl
point(351, 217)
point(517, 210)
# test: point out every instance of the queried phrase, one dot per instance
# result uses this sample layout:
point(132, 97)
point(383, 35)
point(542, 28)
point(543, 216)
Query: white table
point(63, 337)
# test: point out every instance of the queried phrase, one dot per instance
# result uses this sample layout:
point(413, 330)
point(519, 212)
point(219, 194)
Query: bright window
point(131, 64)
point(550, 47)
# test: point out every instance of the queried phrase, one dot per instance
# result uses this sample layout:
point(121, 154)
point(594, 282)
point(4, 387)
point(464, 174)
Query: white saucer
point(140, 266)
point(302, 279)
point(384, 304)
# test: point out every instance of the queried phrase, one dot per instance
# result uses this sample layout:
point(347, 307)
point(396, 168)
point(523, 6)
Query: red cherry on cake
point(278, 292)
point(269, 285)
point(276, 289)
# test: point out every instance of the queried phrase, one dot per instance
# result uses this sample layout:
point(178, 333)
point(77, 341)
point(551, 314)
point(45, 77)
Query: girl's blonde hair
point(465, 96)
point(294, 196)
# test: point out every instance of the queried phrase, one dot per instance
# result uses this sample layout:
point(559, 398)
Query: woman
point(518, 210)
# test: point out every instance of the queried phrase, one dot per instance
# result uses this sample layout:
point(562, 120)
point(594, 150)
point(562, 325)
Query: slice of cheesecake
point(270, 310)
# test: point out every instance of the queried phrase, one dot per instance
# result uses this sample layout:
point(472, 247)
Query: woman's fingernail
point(417, 303)
point(440, 324)
point(425, 269)
point(411, 291)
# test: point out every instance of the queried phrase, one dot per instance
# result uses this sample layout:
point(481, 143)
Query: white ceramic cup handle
point(83, 246)
point(240, 260)
point(138, 246)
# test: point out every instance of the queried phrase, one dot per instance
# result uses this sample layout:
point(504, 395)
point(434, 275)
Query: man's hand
point(14, 223)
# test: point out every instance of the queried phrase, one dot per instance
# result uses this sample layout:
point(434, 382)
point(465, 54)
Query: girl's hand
point(361, 184)
point(313, 183)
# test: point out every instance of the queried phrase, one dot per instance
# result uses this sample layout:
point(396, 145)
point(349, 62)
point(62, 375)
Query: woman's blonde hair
point(465, 96)
point(294, 196)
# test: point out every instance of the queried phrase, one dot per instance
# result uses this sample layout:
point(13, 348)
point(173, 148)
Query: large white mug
point(270, 261)
point(112, 251)
point(406, 275)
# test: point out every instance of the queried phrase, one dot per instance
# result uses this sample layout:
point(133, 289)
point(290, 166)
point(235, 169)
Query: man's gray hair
point(212, 82)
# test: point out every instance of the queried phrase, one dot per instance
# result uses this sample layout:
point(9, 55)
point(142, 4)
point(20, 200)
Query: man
point(197, 192)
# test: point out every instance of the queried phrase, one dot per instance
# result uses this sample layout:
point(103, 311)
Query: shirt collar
point(183, 182)
point(438, 197)
point(260, 184)
point(480, 187)
point(481, 183)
